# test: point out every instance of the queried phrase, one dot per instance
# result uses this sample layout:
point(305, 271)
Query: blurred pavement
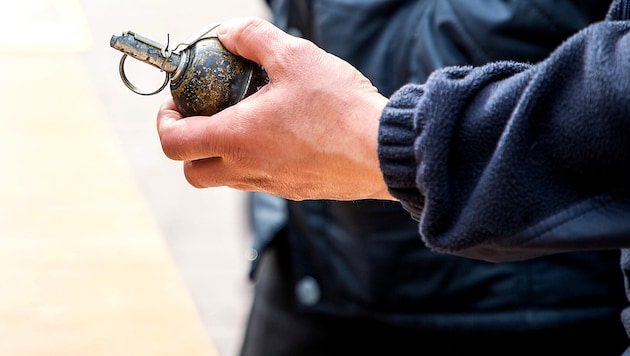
point(99, 232)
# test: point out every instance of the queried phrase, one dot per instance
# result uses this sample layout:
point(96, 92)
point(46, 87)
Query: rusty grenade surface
point(204, 77)
point(212, 79)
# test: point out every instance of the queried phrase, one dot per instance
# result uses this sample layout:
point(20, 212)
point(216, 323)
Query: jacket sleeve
point(510, 161)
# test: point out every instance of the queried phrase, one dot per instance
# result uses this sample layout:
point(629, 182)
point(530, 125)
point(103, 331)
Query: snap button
point(307, 291)
point(251, 255)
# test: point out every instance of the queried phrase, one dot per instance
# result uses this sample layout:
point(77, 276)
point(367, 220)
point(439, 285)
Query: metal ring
point(123, 76)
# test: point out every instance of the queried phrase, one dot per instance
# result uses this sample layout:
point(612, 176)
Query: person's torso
point(367, 257)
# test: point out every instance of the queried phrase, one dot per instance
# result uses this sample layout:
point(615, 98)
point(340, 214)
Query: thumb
point(252, 38)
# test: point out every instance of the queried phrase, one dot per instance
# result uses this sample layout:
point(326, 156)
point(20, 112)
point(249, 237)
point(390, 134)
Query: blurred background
point(104, 247)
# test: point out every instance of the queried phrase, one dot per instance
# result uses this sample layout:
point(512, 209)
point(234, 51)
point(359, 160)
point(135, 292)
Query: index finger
point(252, 38)
point(167, 114)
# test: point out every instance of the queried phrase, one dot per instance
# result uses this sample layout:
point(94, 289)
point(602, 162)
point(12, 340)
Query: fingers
point(182, 139)
point(215, 172)
point(185, 139)
point(167, 114)
point(168, 127)
point(204, 173)
point(253, 38)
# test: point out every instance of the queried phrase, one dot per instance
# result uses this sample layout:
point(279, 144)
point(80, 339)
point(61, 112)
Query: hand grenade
point(204, 77)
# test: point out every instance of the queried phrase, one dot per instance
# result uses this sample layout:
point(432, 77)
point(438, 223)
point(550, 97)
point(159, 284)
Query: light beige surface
point(104, 248)
point(84, 270)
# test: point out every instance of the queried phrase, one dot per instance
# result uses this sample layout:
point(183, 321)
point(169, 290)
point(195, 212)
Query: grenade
point(204, 76)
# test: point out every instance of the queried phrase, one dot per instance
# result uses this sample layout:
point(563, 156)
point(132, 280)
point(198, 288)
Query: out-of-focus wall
point(204, 230)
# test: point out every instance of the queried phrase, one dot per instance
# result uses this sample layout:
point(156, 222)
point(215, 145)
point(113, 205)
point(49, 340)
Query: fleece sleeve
point(510, 161)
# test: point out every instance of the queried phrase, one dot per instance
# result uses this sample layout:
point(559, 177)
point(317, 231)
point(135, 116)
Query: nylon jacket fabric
point(367, 256)
point(514, 161)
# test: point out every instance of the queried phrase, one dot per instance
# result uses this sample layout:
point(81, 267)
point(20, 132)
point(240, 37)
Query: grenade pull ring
point(135, 89)
point(154, 53)
point(151, 46)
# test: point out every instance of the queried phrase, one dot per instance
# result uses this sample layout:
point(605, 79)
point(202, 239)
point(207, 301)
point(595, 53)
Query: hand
point(311, 133)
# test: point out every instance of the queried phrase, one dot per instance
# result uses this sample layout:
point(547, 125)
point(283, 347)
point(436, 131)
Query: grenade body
point(210, 78)
point(205, 77)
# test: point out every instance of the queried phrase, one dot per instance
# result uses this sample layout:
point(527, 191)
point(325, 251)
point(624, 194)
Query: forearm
point(497, 151)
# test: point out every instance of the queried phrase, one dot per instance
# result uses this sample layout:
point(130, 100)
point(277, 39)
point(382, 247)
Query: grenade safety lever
point(205, 78)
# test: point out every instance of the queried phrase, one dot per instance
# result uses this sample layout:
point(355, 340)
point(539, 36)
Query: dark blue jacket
point(514, 161)
point(366, 257)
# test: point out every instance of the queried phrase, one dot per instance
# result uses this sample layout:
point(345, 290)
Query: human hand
point(311, 133)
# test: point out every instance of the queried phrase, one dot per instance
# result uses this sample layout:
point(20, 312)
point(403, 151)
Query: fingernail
point(225, 27)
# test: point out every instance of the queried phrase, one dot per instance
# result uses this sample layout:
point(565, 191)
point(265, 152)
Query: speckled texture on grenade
point(214, 79)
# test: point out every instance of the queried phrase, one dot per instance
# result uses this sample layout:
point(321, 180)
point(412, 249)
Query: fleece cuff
point(398, 130)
